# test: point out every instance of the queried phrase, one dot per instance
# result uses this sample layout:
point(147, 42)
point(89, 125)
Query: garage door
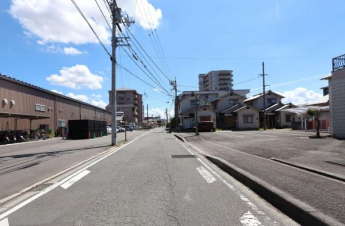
point(205, 118)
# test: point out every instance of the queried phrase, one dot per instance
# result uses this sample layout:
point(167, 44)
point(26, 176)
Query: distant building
point(216, 81)
point(130, 103)
point(336, 90)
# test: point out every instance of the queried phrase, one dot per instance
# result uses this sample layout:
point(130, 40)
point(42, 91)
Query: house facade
point(275, 118)
point(187, 106)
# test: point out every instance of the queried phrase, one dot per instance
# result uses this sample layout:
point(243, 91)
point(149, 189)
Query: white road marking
point(48, 189)
point(206, 175)
point(248, 219)
point(230, 186)
point(257, 134)
point(75, 179)
point(4, 222)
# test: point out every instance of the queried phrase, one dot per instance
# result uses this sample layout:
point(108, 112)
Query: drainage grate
point(182, 156)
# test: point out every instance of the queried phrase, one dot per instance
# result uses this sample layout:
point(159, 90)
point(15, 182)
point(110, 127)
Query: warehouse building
point(27, 107)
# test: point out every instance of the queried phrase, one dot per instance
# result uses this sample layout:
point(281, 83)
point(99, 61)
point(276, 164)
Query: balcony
point(135, 102)
point(135, 97)
point(338, 63)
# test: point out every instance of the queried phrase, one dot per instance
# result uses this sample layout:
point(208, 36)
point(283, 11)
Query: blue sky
point(47, 43)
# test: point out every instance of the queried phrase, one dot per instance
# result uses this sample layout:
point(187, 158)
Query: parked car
point(206, 127)
point(128, 128)
point(108, 129)
point(120, 129)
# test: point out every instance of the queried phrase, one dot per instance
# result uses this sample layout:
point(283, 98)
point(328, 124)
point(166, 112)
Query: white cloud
point(76, 77)
point(72, 51)
point(96, 95)
point(300, 95)
point(145, 13)
point(99, 103)
point(55, 91)
point(156, 90)
point(59, 21)
point(157, 112)
point(83, 98)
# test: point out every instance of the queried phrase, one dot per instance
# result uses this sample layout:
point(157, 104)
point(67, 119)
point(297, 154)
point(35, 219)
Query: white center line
point(70, 182)
point(206, 175)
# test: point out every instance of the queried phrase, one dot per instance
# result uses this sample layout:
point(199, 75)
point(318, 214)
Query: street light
point(196, 114)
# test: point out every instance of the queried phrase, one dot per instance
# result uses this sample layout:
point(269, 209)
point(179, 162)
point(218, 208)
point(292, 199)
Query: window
point(248, 119)
point(192, 102)
point(39, 107)
point(61, 123)
point(288, 118)
point(271, 100)
point(232, 102)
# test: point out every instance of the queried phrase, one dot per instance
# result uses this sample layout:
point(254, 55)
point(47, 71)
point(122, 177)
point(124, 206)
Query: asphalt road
point(24, 164)
point(153, 180)
point(252, 150)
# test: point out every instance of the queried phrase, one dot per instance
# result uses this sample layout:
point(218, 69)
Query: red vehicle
point(206, 127)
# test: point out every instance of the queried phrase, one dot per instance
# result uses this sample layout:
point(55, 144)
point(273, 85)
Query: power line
point(139, 78)
point(157, 83)
point(247, 80)
point(129, 32)
point(156, 43)
point(81, 13)
point(103, 14)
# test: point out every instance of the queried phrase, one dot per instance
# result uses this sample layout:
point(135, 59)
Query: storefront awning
point(22, 116)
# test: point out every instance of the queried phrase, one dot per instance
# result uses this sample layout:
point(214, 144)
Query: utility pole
point(147, 116)
point(264, 94)
point(116, 20)
point(115, 16)
point(174, 85)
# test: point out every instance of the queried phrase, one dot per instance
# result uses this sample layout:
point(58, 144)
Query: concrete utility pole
point(264, 94)
point(174, 85)
point(147, 116)
point(117, 19)
point(114, 11)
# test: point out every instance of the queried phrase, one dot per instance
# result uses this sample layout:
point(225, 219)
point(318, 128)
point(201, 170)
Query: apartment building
point(216, 81)
point(130, 103)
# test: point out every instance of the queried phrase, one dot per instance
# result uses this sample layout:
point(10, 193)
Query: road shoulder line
point(100, 157)
point(310, 169)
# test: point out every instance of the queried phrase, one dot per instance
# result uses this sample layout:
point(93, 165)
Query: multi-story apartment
point(130, 103)
point(216, 81)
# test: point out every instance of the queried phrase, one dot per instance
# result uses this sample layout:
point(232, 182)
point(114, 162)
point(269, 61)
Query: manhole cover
point(183, 156)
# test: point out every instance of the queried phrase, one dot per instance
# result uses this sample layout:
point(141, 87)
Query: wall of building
point(56, 107)
point(224, 103)
point(337, 90)
point(249, 112)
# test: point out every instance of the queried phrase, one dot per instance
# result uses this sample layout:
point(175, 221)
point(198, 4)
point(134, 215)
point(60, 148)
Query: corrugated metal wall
point(57, 108)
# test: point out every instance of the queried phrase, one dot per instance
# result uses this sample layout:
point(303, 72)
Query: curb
point(313, 170)
point(302, 213)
